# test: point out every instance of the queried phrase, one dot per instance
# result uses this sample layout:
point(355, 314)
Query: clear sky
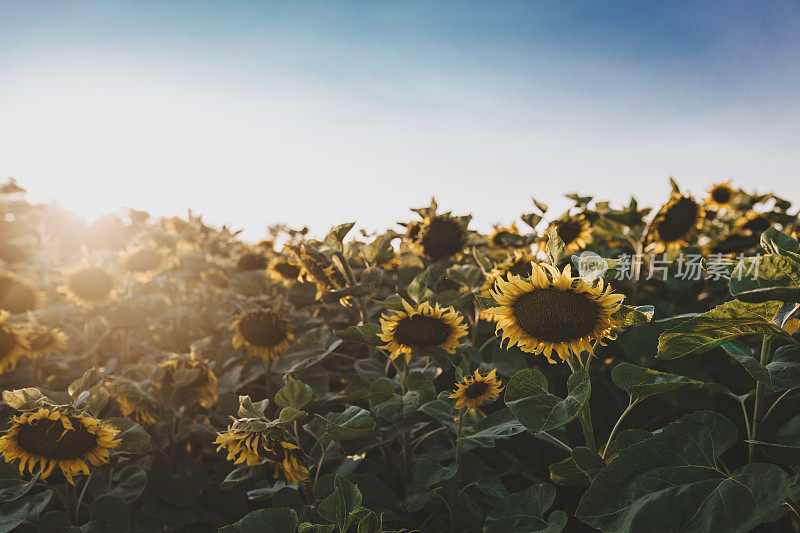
point(323, 112)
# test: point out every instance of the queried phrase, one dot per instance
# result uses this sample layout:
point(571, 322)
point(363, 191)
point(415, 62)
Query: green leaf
point(272, 520)
point(353, 423)
point(671, 482)
point(367, 334)
point(722, 324)
point(338, 507)
point(12, 489)
point(777, 242)
point(555, 247)
point(84, 383)
point(54, 522)
point(497, 425)
point(108, 514)
point(524, 512)
point(248, 409)
point(782, 373)
point(778, 453)
point(309, 350)
point(336, 235)
point(486, 302)
point(441, 411)
point(135, 440)
point(628, 315)
point(22, 399)
point(764, 271)
point(294, 393)
point(358, 290)
point(588, 461)
point(419, 286)
point(427, 472)
point(308, 527)
point(765, 294)
point(538, 410)
point(22, 510)
point(641, 383)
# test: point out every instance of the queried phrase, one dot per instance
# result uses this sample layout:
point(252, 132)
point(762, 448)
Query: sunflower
point(441, 236)
point(216, 278)
point(721, 195)
point(422, 327)
point(90, 285)
point(43, 341)
point(517, 265)
point(253, 448)
point(474, 390)
point(206, 383)
point(134, 402)
point(412, 230)
point(496, 238)
point(318, 268)
point(143, 262)
point(17, 296)
point(12, 344)
point(263, 332)
point(52, 438)
point(575, 231)
point(553, 312)
point(675, 222)
point(754, 222)
point(251, 261)
point(281, 269)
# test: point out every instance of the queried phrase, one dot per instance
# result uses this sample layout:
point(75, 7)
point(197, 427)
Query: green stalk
point(759, 399)
point(585, 416)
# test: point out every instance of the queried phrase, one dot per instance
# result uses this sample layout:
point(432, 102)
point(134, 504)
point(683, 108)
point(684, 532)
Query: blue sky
point(323, 112)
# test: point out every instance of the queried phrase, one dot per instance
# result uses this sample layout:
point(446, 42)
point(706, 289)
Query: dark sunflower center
point(287, 270)
point(7, 343)
point(521, 268)
point(679, 219)
point(721, 195)
point(16, 297)
point(262, 329)
point(143, 261)
point(40, 340)
point(422, 331)
point(48, 438)
point(569, 230)
point(251, 262)
point(443, 237)
point(759, 223)
point(551, 315)
point(497, 238)
point(91, 284)
point(476, 390)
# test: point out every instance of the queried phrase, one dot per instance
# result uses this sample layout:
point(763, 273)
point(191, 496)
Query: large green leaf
point(524, 512)
point(722, 324)
point(353, 423)
point(555, 247)
point(764, 271)
point(339, 506)
point(11, 489)
point(294, 394)
point(641, 383)
point(672, 482)
point(780, 374)
point(628, 315)
point(309, 350)
point(108, 514)
point(26, 509)
point(273, 520)
point(498, 425)
point(538, 410)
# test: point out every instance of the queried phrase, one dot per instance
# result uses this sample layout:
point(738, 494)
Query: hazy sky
point(323, 112)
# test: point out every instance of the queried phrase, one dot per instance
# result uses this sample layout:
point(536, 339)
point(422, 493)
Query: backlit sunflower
point(675, 222)
point(43, 341)
point(575, 231)
point(12, 344)
point(17, 296)
point(517, 265)
point(721, 195)
point(552, 311)
point(50, 438)
point(143, 262)
point(90, 285)
point(754, 222)
point(264, 333)
point(318, 268)
point(474, 390)
point(441, 236)
point(412, 230)
point(281, 269)
point(205, 385)
point(134, 401)
point(254, 448)
point(496, 237)
point(422, 327)
point(251, 261)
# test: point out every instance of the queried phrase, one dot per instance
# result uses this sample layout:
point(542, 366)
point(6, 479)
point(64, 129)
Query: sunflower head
point(281, 269)
point(43, 341)
point(316, 267)
point(143, 261)
point(754, 222)
point(675, 221)
point(575, 231)
point(63, 438)
point(90, 285)
point(13, 344)
point(721, 195)
point(553, 312)
point(204, 385)
point(422, 328)
point(133, 401)
point(17, 296)
point(251, 261)
point(256, 447)
point(496, 239)
point(264, 333)
point(441, 236)
point(474, 390)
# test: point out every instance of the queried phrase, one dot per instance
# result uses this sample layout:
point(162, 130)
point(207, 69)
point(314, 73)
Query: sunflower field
point(613, 368)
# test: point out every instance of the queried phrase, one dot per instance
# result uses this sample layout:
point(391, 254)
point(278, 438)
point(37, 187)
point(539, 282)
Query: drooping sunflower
point(441, 236)
point(90, 285)
point(575, 231)
point(50, 438)
point(474, 390)
point(754, 222)
point(676, 221)
point(496, 237)
point(318, 268)
point(143, 412)
point(264, 333)
point(422, 327)
point(552, 311)
point(251, 261)
point(17, 296)
point(12, 344)
point(143, 262)
point(721, 195)
point(205, 386)
point(254, 448)
point(43, 341)
point(281, 269)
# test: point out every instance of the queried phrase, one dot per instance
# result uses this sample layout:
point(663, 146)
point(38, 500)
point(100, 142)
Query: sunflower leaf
point(339, 506)
point(555, 247)
point(22, 399)
point(294, 393)
point(524, 512)
point(538, 410)
point(777, 242)
point(628, 315)
point(271, 520)
point(487, 302)
point(641, 383)
point(353, 423)
point(419, 286)
point(780, 374)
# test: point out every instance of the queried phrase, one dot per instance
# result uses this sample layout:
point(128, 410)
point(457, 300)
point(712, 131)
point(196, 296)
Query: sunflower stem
point(631, 405)
point(751, 447)
point(83, 493)
point(351, 281)
point(457, 478)
point(585, 416)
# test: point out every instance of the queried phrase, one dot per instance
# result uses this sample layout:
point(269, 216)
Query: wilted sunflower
point(575, 231)
point(205, 385)
point(251, 261)
point(474, 390)
point(441, 236)
point(675, 222)
point(553, 312)
point(253, 448)
point(422, 327)
point(754, 222)
point(263, 332)
point(143, 262)
point(52, 438)
point(318, 268)
point(43, 341)
point(90, 285)
point(496, 238)
point(412, 230)
point(17, 296)
point(721, 195)
point(12, 344)
point(281, 269)
point(134, 401)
